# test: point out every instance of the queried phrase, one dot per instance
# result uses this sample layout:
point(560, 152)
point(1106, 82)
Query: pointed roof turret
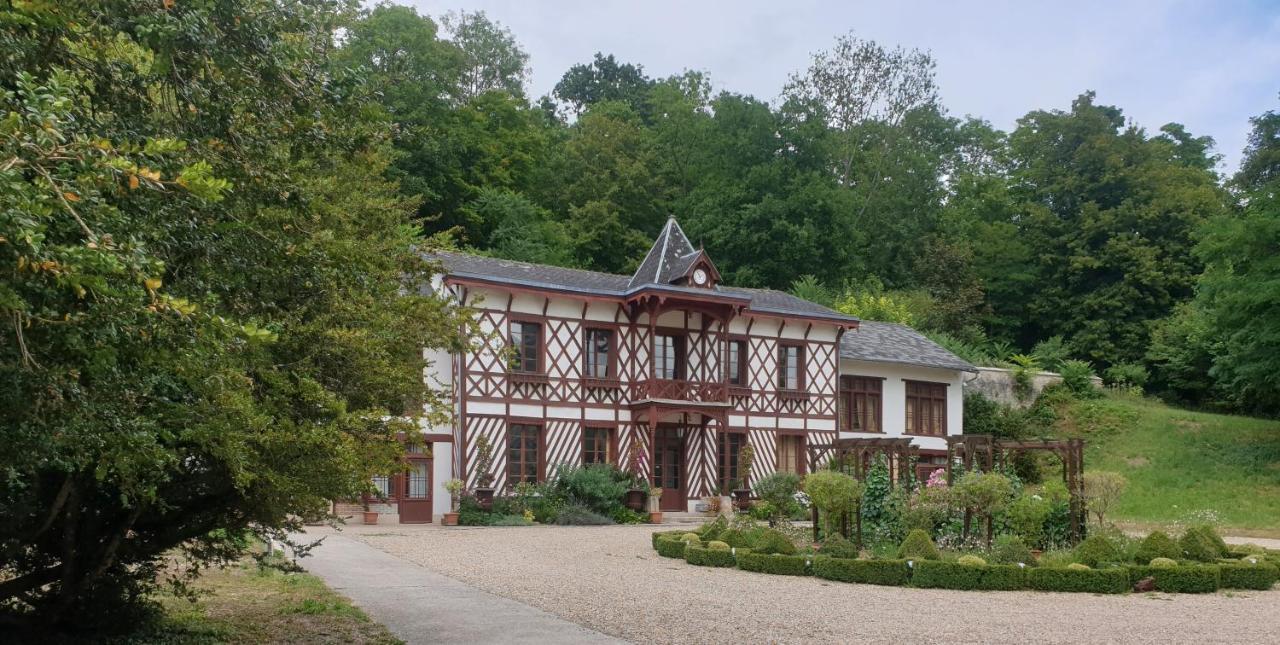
point(670, 258)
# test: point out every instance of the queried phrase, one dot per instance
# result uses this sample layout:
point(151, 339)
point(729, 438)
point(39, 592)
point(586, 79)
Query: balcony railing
point(679, 390)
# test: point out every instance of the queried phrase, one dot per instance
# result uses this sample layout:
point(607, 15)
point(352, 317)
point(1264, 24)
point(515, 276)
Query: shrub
point(717, 545)
point(786, 565)
point(1203, 544)
point(1084, 579)
point(709, 557)
point(1246, 549)
point(671, 548)
point(1249, 576)
point(578, 515)
point(1102, 490)
point(733, 537)
point(1157, 545)
point(658, 535)
point(834, 493)
point(838, 547)
point(1027, 515)
point(778, 491)
point(1079, 567)
point(511, 520)
point(772, 541)
point(598, 487)
point(470, 513)
point(971, 560)
point(1009, 549)
point(872, 572)
point(1131, 374)
point(1163, 563)
point(959, 575)
point(1179, 579)
point(918, 546)
point(984, 493)
point(1078, 377)
point(712, 530)
point(1095, 550)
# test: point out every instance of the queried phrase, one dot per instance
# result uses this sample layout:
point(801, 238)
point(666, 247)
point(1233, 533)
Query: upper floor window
point(790, 367)
point(668, 356)
point(860, 404)
point(737, 362)
point(926, 408)
point(599, 352)
point(526, 338)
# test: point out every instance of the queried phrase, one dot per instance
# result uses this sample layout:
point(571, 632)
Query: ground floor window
point(926, 408)
point(382, 486)
point(729, 450)
point(791, 454)
point(418, 481)
point(597, 446)
point(522, 453)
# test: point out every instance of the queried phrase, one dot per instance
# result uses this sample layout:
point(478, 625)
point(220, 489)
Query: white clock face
point(700, 277)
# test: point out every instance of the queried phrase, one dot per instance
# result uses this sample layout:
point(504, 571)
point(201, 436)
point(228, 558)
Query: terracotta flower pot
point(371, 517)
point(484, 497)
point(655, 517)
point(635, 499)
point(450, 519)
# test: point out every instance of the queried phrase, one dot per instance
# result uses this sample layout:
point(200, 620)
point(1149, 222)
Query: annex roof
point(882, 342)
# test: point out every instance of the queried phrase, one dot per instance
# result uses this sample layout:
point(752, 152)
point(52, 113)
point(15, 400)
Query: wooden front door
point(415, 502)
point(669, 468)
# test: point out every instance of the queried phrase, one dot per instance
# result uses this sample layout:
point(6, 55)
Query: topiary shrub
point(935, 574)
point(971, 560)
point(671, 547)
point(1163, 563)
point(691, 538)
point(1009, 549)
point(1259, 576)
point(717, 545)
point(838, 547)
point(1076, 566)
point(733, 537)
point(893, 573)
point(918, 546)
point(772, 541)
point(1095, 550)
point(708, 557)
point(786, 565)
point(712, 530)
point(1179, 578)
point(1079, 578)
point(1203, 544)
point(658, 535)
point(1157, 545)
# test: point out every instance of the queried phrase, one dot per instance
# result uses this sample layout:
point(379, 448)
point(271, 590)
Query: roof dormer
point(673, 260)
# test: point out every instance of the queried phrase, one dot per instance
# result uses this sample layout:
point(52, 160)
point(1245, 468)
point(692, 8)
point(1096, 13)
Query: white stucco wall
point(894, 398)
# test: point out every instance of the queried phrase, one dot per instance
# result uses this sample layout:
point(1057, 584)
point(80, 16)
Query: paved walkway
point(420, 606)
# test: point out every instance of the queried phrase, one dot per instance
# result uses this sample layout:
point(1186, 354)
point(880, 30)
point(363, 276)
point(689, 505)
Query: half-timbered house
point(670, 371)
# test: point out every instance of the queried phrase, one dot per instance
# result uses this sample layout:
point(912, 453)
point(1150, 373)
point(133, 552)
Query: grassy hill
point(1183, 466)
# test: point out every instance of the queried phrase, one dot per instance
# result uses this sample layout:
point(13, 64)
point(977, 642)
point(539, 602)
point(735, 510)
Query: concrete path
point(420, 606)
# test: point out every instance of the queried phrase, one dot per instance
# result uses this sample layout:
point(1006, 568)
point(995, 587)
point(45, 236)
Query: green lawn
point(1183, 466)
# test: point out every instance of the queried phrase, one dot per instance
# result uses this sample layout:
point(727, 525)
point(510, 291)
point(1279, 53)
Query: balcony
point(679, 390)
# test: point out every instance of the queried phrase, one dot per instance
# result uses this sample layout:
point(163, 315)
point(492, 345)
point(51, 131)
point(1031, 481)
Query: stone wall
point(996, 383)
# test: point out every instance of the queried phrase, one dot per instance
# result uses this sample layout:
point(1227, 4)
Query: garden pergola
point(986, 453)
point(855, 456)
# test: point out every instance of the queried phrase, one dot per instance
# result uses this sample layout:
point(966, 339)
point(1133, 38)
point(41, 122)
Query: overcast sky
point(1207, 65)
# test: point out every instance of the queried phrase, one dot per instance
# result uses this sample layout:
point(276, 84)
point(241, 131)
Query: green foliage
point(1179, 579)
point(1162, 563)
point(878, 517)
point(1051, 353)
point(1202, 543)
point(871, 572)
point(1114, 580)
point(668, 547)
point(1102, 489)
point(970, 560)
point(734, 537)
point(1258, 577)
point(1157, 544)
point(691, 537)
point(880, 307)
point(1027, 516)
point(1010, 549)
point(579, 515)
point(984, 493)
point(713, 529)
point(1129, 374)
point(786, 565)
point(932, 574)
point(709, 557)
point(838, 547)
point(1096, 550)
point(658, 535)
point(717, 545)
point(1078, 377)
point(772, 541)
point(510, 520)
point(918, 546)
point(778, 490)
point(834, 493)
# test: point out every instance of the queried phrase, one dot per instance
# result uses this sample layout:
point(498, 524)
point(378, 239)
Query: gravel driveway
point(610, 579)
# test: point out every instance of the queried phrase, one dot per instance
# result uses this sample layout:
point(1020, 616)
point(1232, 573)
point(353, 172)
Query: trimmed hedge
point(786, 565)
point(671, 547)
point(893, 573)
point(1115, 580)
point(1259, 576)
point(932, 574)
point(702, 557)
point(657, 535)
point(1180, 579)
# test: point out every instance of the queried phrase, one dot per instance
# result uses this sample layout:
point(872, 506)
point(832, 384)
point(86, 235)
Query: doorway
point(669, 467)
point(415, 503)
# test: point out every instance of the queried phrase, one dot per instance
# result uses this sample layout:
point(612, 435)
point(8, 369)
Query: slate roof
point(881, 342)
point(668, 258)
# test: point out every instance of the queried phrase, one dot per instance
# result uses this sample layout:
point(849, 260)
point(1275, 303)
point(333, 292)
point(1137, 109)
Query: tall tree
point(491, 57)
point(604, 79)
point(208, 331)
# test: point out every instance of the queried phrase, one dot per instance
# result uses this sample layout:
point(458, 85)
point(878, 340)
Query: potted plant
point(371, 516)
point(635, 494)
point(454, 486)
point(746, 458)
point(655, 515)
point(484, 473)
